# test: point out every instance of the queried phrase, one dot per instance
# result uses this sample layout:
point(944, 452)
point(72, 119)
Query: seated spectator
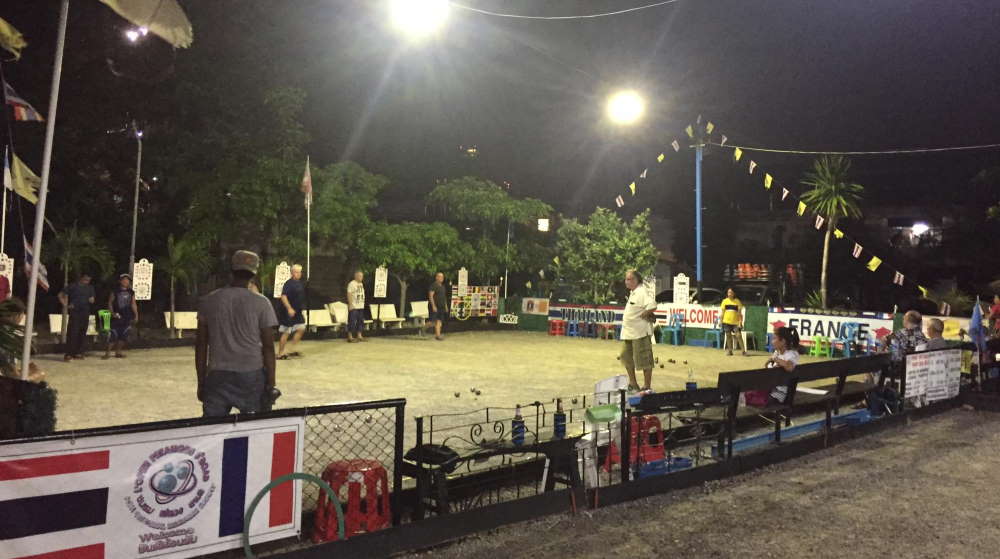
point(935, 329)
point(906, 339)
point(785, 356)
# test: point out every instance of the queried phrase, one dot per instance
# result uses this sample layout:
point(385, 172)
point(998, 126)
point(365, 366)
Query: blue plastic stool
point(673, 328)
point(573, 328)
point(770, 344)
point(715, 334)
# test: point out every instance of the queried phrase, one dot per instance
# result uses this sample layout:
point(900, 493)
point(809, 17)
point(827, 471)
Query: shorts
point(730, 328)
point(638, 353)
point(292, 329)
point(438, 315)
point(119, 331)
point(225, 390)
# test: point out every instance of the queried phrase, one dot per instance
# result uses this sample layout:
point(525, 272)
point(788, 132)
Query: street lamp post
point(135, 201)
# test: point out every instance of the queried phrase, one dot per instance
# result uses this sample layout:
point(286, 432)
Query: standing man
point(77, 298)
point(732, 321)
point(637, 332)
point(356, 308)
point(293, 300)
point(234, 349)
point(121, 303)
point(439, 304)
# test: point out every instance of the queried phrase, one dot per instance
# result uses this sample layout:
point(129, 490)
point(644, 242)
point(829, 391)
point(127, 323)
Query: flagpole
point(43, 190)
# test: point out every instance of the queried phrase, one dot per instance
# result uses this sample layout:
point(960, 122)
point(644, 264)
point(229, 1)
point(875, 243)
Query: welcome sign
point(809, 324)
point(171, 493)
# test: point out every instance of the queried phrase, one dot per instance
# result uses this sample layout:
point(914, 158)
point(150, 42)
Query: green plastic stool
point(104, 320)
point(821, 347)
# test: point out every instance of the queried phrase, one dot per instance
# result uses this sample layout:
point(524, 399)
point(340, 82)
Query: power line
point(882, 152)
point(584, 16)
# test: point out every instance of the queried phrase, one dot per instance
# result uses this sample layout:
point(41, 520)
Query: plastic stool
point(103, 320)
point(640, 449)
point(366, 513)
point(606, 331)
point(573, 328)
point(557, 327)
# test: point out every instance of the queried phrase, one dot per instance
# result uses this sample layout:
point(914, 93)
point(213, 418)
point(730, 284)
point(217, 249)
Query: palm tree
point(72, 249)
point(186, 258)
point(832, 197)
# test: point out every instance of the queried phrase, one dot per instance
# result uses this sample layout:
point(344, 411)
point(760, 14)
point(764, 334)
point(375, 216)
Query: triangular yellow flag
point(632, 188)
point(709, 127)
point(838, 233)
point(923, 291)
point(767, 180)
point(26, 182)
point(690, 131)
point(555, 259)
point(660, 158)
point(164, 18)
point(11, 39)
point(737, 153)
point(874, 263)
point(802, 208)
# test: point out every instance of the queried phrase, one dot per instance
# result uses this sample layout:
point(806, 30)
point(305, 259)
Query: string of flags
point(874, 262)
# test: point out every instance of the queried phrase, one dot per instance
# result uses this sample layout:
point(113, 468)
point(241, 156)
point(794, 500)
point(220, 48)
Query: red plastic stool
point(557, 327)
point(362, 513)
point(641, 429)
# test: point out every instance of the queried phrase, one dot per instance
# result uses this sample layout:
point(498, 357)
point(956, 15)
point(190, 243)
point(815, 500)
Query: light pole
point(626, 107)
point(135, 201)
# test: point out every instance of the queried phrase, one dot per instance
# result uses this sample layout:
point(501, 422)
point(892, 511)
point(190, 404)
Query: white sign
point(830, 325)
point(463, 282)
point(682, 289)
point(933, 375)
point(172, 493)
point(695, 316)
point(381, 282)
point(7, 270)
point(142, 280)
point(535, 305)
point(282, 273)
point(508, 319)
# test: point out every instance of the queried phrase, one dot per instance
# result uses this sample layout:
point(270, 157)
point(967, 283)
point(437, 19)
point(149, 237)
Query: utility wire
point(550, 18)
point(882, 152)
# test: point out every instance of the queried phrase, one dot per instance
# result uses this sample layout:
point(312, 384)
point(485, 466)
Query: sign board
point(695, 316)
point(7, 269)
point(933, 375)
point(142, 280)
point(463, 282)
point(172, 493)
point(682, 289)
point(508, 319)
point(535, 305)
point(809, 324)
point(282, 273)
point(478, 302)
point(381, 282)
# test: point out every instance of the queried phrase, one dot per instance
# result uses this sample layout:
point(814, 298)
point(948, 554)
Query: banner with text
point(809, 324)
point(535, 305)
point(933, 375)
point(172, 493)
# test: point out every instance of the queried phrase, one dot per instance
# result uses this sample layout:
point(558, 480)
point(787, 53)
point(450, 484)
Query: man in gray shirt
point(234, 351)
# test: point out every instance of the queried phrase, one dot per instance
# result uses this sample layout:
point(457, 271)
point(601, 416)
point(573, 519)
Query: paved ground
point(506, 367)
point(925, 490)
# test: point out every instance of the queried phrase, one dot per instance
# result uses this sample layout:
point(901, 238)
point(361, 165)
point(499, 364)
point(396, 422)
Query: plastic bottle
point(691, 384)
point(559, 421)
point(517, 427)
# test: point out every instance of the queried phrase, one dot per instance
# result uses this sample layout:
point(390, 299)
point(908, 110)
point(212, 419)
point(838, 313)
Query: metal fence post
point(397, 464)
point(626, 444)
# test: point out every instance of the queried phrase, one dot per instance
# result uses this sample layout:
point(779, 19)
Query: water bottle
point(691, 384)
point(559, 418)
point(517, 427)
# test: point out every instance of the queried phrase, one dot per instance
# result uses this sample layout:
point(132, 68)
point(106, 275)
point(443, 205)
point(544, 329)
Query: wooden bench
point(419, 312)
point(183, 320)
point(320, 318)
point(386, 315)
point(733, 383)
point(340, 313)
point(55, 325)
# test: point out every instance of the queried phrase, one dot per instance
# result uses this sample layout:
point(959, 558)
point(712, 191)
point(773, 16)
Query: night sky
point(805, 74)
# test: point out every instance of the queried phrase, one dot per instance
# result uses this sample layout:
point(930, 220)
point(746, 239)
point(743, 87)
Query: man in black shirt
point(77, 299)
point(436, 296)
point(292, 320)
point(124, 311)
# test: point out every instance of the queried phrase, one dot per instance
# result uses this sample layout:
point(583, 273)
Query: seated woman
point(785, 356)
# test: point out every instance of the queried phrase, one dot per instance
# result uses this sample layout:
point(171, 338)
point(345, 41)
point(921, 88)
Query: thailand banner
point(171, 493)
point(599, 314)
point(809, 324)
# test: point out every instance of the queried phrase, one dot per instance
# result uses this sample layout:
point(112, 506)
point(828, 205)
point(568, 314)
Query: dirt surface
point(923, 490)
point(506, 368)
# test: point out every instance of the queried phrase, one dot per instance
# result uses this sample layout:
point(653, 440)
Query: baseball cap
point(124, 276)
point(245, 260)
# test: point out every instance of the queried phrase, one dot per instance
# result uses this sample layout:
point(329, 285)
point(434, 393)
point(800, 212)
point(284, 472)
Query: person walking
point(124, 311)
point(439, 304)
point(77, 298)
point(637, 332)
point(356, 308)
point(732, 322)
point(234, 347)
point(292, 321)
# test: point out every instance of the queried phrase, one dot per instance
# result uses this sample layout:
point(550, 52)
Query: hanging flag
point(784, 194)
point(857, 250)
point(11, 39)
point(753, 165)
point(677, 146)
point(632, 188)
point(25, 181)
point(709, 127)
point(643, 175)
point(802, 208)
point(767, 180)
point(923, 291)
point(23, 110)
point(724, 140)
point(8, 180)
point(555, 260)
point(874, 263)
point(819, 222)
point(737, 153)
point(977, 333)
point(164, 18)
point(660, 158)
point(690, 131)
point(620, 201)
point(307, 185)
point(897, 279)
point(29, 261)
point(838, 233)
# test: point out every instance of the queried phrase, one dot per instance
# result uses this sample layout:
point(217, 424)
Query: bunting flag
point(709, 127)
point(737, 153)
point(26, 182)
point(784, 194)
point(857, 251)
point(897, 279)
point(307, 185)
point(555, 259)
point(874, 263)
point(643, 175)
point(163, 18)
point(8, 179)
point(838, 233)
point(29, 261)
point(923, 291)
point(11, 39)
point(724, 140)
point(753, 165)
point(660, 158)
point(767, 180)
point(620, 201)
point(676, 146)
point(632, 188)
point(802, 208)
point(23, 110)
point(819, 222)
point(690, 131)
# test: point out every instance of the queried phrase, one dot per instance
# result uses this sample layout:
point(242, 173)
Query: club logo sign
point(171, 487)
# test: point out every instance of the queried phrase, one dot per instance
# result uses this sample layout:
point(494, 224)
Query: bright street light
point(919, 228)
point(418, 18)
point(626, 107)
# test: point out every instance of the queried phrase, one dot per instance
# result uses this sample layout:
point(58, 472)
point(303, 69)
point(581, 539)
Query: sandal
point(282, 357)
point(295, 354)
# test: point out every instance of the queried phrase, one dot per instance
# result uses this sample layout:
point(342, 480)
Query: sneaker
point(730, 352)
point(744, 354)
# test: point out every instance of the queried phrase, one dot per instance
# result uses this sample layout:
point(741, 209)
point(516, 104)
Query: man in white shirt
point(637, 331)
point(356, 308)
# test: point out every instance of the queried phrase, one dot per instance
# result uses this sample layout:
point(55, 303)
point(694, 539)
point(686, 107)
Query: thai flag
point(22, 109)
point(29, 260)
